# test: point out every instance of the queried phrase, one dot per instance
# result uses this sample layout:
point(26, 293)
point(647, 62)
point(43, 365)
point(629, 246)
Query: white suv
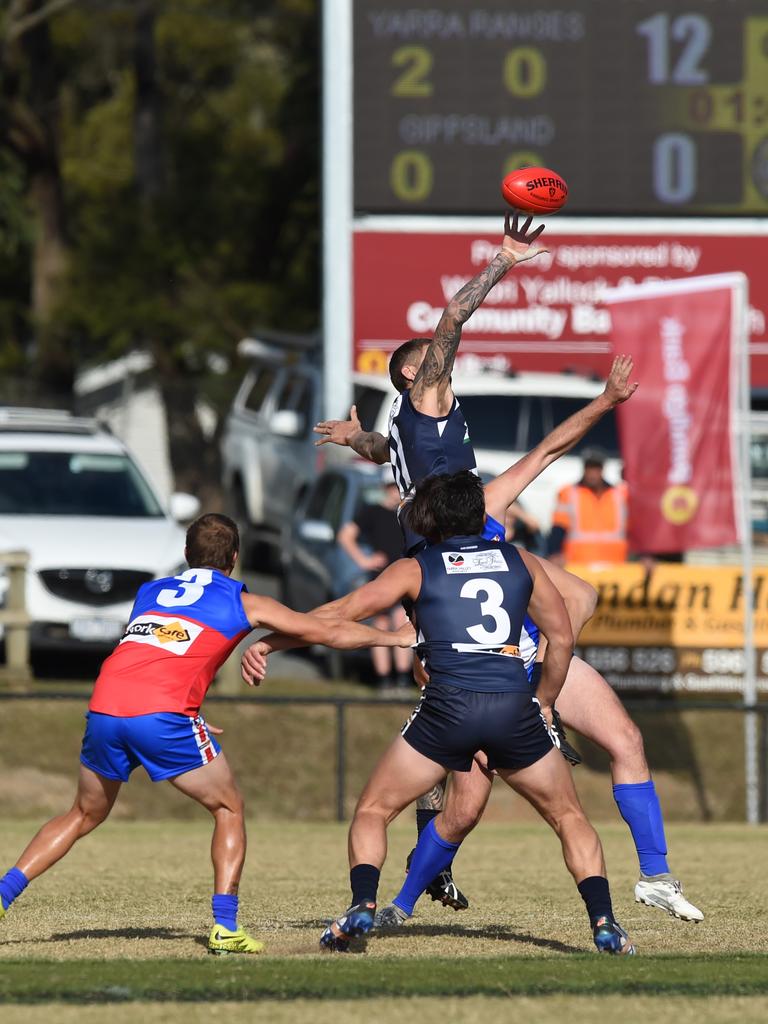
point(73, 497)
point(507, 417)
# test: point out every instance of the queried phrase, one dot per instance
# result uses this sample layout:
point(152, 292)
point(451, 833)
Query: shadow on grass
point(111, 933)
point(496, 932)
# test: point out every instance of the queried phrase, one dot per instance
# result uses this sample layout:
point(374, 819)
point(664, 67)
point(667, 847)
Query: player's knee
point(458, 820)
point(563, 817)
point(627, 747)
point(89, 816)
point(583, 602)
point(376, 807)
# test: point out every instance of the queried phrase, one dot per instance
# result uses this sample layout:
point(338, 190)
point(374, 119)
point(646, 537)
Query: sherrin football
point(535, 190)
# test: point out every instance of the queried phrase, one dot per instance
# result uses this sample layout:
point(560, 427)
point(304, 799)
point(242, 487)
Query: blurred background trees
point(159, 165)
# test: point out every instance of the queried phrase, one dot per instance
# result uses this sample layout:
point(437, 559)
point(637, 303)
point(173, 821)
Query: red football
point(535, 190)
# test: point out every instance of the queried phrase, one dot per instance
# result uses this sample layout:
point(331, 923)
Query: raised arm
point(368, 444)
point(506, 488)
point(547, 609)
point(431, 389)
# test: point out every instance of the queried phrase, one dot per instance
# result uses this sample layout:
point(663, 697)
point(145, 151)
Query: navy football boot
point(356, 921)
point(610, 937)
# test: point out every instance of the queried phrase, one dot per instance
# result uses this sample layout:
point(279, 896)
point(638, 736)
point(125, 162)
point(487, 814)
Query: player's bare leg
point(589, 705)
point(93, 801)
point(468, 796)
point(548, 786)
point(213, 785)
point(400, 775)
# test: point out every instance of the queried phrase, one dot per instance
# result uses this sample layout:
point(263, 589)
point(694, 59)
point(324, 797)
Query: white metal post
point(337, 205)
point(744, 405)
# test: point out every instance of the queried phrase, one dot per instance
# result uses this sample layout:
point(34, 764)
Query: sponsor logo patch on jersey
point(172, 635)
point(466, 562)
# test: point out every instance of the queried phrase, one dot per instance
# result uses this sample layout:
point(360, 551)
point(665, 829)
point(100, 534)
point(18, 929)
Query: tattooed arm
point(368, 444)
point(431, 390)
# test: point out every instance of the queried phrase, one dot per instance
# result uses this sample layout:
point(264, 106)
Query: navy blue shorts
point(451, 724)
point(165, 743)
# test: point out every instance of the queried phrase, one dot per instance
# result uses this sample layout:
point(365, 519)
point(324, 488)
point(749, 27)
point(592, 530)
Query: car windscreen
point(493, 421)
point(602, 435)
point(73, 484)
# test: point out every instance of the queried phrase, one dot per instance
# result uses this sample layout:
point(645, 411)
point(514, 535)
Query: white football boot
point(666, 893)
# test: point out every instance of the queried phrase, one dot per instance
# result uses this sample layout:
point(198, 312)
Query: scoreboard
point(645, 107)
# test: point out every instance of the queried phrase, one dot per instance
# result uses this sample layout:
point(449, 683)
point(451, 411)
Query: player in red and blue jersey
point(145, 710)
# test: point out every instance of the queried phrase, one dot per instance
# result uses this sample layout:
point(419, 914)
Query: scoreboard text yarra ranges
point(643, 107)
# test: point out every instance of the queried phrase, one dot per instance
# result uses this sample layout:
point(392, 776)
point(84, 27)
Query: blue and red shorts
point(165, 743)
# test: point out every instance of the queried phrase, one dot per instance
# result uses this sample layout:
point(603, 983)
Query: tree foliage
point(158, 186)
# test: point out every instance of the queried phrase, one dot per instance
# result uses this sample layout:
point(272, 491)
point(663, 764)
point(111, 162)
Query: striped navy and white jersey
point(422, 446)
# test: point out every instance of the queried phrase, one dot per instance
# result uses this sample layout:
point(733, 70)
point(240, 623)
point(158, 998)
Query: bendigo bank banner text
point(677, 627)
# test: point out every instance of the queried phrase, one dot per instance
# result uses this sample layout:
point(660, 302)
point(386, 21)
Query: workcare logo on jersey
point(172, 635)
point(465, 562)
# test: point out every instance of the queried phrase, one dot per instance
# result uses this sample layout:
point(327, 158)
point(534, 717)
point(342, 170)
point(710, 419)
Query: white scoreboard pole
point(337, 206)
point(740, 333)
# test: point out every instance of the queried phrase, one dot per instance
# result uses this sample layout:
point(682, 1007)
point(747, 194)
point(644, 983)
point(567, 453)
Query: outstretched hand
point(517, 241)
point(618, 387)
point(338, 431)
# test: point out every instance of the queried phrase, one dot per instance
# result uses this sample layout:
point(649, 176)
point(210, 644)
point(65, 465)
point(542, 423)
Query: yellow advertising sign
point(673, 605)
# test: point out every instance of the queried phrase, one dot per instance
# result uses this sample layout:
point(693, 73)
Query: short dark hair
point(212, 540)
point(448, 505)
point(402, 356)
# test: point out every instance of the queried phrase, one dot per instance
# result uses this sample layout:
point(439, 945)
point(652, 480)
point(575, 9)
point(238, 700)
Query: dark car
point(315, 568)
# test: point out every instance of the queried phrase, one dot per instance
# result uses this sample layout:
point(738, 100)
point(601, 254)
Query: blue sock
point(432, 855)
point(640, 808)
point(12, 884)
point(225, 910)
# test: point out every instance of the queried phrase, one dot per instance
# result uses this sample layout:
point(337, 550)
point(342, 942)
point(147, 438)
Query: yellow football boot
point(222, 942)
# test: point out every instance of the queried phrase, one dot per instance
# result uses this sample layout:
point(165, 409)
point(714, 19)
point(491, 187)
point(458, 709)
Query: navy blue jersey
point(470, 613)
point(421, 446)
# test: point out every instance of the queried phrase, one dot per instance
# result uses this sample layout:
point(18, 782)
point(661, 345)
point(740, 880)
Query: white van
point(507, 417)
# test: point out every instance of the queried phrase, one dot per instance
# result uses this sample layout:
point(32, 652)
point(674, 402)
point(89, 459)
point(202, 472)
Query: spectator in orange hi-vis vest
point(589, 526)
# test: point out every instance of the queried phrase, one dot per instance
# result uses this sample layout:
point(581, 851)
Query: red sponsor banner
point(677, 436)
point(548, 313)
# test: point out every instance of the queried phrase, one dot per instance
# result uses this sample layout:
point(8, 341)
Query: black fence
point(341, 704)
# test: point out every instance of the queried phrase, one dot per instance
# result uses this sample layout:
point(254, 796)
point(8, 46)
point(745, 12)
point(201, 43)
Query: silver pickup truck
point(267, 449)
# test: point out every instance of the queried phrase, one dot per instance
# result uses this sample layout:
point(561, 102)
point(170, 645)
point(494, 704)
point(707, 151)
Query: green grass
point(337, 977)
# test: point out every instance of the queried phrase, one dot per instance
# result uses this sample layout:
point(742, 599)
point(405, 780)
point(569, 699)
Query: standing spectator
point(376, 526)
point(590, 522)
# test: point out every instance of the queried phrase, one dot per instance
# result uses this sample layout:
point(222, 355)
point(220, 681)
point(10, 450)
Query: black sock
point(423, 817)
point(364, 881)
point(597, 896)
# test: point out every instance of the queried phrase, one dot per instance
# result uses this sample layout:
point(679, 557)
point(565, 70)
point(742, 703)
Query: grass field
point(123, 920)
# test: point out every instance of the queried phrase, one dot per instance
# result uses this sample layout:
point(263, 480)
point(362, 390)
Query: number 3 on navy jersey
point(491, 607)
point(192, 583)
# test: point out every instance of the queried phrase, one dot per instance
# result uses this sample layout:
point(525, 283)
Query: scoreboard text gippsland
point(643, 107)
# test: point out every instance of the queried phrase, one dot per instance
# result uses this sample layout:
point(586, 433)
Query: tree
point(182, 141)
